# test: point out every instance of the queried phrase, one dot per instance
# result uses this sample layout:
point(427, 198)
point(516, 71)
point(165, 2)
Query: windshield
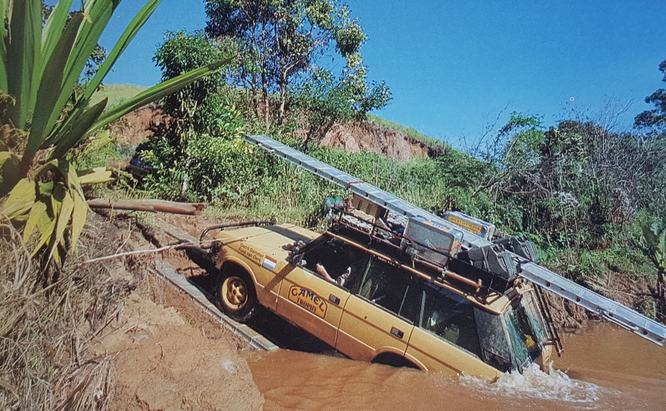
point(524, 340)
point(528, 302)
point(513, 340)
point(495, 347)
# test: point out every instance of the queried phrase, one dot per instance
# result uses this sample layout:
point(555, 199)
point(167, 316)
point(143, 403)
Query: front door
point(380, 317)
point(314, 300)
point(447, 338)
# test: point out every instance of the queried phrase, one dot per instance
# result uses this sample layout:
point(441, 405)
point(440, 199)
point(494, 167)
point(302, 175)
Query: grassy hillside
point(116, 93)
point(408, 131)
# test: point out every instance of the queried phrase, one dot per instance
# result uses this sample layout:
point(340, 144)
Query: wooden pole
point(155, 206)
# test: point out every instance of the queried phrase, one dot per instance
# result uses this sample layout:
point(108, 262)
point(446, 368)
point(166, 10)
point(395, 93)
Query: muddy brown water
point(602, 368)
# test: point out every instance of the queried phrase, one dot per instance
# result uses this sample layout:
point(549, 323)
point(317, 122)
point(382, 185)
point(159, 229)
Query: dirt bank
point(162, 362)
point(356, 136)
point(166, 353)
point(365, 136)
point(137, 126)
point(111, 334)
point(630, 290)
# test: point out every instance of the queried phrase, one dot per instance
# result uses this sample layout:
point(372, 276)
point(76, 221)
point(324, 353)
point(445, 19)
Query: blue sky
point(454, 66)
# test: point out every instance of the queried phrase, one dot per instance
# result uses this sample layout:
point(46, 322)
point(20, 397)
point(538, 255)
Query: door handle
point(397, 333)
point(334, 299)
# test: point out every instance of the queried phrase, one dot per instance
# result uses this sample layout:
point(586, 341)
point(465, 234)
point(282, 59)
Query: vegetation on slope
point(116, 94)
point(46, 359)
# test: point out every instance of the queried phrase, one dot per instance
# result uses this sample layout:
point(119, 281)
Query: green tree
point(281, 40)
point(178, 54)
point(577, 182)
point(325, 100)
point(657, 116)
point(198, 114)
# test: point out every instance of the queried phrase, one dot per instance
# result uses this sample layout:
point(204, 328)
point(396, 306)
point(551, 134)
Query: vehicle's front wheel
point(235, 295)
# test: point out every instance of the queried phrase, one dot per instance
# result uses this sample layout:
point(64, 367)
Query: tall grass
point(46, 333)
point(273, 188)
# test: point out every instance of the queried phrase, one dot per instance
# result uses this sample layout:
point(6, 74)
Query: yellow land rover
point(363, 288)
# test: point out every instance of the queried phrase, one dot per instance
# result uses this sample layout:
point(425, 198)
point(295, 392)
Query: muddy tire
point(235, 295)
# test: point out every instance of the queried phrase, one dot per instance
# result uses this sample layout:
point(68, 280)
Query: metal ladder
point(613, 311)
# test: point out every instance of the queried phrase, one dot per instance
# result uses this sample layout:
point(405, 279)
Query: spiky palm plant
point(40, 68)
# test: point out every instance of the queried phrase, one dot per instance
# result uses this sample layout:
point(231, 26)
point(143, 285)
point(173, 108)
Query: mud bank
point(366, 136)
point(355, 136)
point(166, 352)
point(162, 362)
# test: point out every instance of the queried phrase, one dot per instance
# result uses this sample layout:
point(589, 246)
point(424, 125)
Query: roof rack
point(513, 258)
point(436, 262)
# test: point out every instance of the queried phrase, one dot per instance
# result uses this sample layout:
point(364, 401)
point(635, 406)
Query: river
point(601, 368)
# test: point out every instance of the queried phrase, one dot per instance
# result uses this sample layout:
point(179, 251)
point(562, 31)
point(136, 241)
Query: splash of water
point(534, 383)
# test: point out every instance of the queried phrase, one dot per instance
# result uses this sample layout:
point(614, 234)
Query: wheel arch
point(397, 360)
point(236, 264)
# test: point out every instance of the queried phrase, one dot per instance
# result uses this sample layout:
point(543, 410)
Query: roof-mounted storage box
point(431, 242)
point(368, 207)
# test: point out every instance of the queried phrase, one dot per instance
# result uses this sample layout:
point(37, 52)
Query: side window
point(343, 263)
point(451, 317)
point(385, 285)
